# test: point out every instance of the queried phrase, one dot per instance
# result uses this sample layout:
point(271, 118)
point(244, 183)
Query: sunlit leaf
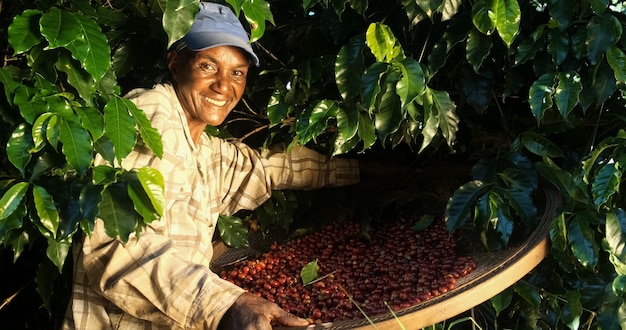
point(119, 127)
point(605, 184)
point(152, 182)
point(104, 174)
point(383, 43)
point(592, 159)
point(412, 81)
point(149, 135)
point(19, 146)
point(483, 16)
point(277, 110)
point(80, 79)
point(446, 112)
point(617, 61)
point(616, 233)
point(177, 18)
point(309, 272)
point(59, 27)
point(46, 211)
point(141, 201)
point(24, 31)
point(91, 48)
point(57, 251)
point(507, 19)
point(540, 95)
point(431, 119)
point(318, 120)
point(232, 231)
point(567, 91)
point(619, 285)
point(256, 13)
point(30, 106)
point(237, 4)
point(92, 120)
point(40, 130)
point(12, 199)
point(77, 145)
point(558, 233)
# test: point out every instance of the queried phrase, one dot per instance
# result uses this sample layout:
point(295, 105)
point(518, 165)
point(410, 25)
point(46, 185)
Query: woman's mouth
point(215, 102)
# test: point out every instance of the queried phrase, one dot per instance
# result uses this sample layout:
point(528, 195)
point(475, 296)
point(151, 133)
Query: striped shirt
point(162, 280)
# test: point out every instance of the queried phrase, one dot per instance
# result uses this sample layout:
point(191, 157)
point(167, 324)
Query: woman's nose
point(220, 84)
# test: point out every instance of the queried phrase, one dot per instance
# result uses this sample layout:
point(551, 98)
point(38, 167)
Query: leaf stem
point(394, 315)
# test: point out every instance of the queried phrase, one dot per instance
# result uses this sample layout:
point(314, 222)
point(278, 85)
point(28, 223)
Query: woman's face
point(209, 83)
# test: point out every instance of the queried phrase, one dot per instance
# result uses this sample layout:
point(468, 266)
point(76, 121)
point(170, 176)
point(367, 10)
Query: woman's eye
point(238, 74)
point(206, 66)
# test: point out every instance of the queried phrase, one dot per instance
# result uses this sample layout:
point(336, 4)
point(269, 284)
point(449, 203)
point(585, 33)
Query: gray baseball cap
point(216, 25)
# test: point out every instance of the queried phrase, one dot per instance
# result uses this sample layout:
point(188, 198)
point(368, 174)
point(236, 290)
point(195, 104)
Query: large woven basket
point(495, 272)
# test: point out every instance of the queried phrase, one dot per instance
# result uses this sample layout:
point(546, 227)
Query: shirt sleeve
point(247, 176)
point(147, 279)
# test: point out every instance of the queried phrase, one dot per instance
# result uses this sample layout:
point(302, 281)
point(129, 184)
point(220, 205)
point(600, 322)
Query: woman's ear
point(173, 59)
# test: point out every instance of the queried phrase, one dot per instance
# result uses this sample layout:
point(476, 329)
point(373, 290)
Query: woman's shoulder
point(160, 94)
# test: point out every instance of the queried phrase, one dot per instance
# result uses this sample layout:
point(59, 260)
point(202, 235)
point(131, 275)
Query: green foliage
point(542, 82)
point(232, 231)
point(309, 272)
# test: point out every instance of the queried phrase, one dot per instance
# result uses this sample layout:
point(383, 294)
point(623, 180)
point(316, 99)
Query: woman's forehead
point(224, 54)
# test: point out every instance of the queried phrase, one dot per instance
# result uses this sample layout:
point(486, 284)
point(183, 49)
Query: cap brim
point(202, 41)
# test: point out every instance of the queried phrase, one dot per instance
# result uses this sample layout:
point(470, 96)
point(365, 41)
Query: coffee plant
point(529, 93)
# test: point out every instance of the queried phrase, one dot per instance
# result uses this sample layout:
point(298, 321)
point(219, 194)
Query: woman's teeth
point(215, 102)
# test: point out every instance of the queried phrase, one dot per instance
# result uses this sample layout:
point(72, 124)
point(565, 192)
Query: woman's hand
point(250, 312)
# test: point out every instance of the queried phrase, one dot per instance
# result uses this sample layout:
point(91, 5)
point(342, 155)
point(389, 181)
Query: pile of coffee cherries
point(394, 268)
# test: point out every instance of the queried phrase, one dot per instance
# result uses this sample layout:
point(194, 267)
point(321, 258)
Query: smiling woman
point(522, 86)
point(160, 278)
point(209, 83)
